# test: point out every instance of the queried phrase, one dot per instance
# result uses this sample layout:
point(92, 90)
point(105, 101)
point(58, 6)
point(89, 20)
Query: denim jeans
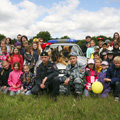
point(14, 92)
point(26, 93)
point(6, 91)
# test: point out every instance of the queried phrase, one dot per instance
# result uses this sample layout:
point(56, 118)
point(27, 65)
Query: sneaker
point(116, 98)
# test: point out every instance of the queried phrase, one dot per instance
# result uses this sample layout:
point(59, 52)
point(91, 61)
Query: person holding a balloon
point(113, 76)
point(91, 75)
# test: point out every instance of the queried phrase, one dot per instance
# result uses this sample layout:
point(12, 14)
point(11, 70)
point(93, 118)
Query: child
point(96, 55)
point(101, 76)
point(14, 79)
point(104, 56)
point(116, 50)
point(91, 76)
point(113, 76)
point(96, 50)
point(98, 67)
point(110, 58)
point(4, 77)
point(28, 58)
point(90, 50)
point(19, 46)
point(26, 80)
point(4, 56)
point(2, 44)
point(103, 49)
point(16, 57)
point(36, 51)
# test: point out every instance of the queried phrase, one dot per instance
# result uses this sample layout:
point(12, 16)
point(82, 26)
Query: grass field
point(66, 108)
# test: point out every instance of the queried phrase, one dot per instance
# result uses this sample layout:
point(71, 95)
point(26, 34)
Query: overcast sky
point(75, 18)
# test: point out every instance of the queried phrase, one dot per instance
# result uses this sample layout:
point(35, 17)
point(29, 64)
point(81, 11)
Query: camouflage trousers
point(70, 88)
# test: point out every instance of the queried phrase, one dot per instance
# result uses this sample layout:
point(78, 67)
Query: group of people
point(103, 64)
point(19, 76)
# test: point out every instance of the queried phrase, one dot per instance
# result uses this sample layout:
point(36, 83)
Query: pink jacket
point(14, 79)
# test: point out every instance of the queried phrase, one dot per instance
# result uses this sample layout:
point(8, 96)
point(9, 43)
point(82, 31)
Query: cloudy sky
point(75, 18)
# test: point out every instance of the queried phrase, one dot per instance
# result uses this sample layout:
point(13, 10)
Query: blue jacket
point(101, 77)
point(113, 73)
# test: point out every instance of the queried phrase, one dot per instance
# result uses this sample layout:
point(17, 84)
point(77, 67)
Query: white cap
point(90, 61)
point(104, 63)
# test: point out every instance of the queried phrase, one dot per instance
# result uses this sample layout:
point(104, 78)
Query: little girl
point(16, 57)
point(4, 56)
point(101, 76)
point(91, 76)
point(26, 80)
point(36, 51)
point(14, 79)
point(4, 77)
point(28, 58)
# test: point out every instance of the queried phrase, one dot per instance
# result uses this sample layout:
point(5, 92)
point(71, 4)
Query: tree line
point(47, 36)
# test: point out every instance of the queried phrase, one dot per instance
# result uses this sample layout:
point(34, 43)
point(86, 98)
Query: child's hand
point(107, 79)
point(4, 88)
point(14, 86)
point(25, 90)
point(22, 88)
point(89, 89)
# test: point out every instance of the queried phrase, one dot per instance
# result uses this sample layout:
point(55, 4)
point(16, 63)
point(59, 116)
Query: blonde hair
point(3, 62)
point(98, 59)
point(117, 59)
point(28, 77)
point(38, 47)
point(4, 47)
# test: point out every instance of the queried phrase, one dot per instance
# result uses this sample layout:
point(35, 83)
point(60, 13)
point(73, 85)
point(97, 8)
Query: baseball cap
point(100, 39)
point(104, 53)
point(104, 43)
point(73, 54)
point(44, 54)
point(104, 63)
point(97, 47)
point(107, 41)
point(109, 52)
point(90, 61)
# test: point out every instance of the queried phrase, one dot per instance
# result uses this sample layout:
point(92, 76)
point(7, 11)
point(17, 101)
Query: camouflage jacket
point(76, 73)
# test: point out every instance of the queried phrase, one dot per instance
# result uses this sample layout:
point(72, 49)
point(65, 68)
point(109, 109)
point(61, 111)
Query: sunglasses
point(41, 41)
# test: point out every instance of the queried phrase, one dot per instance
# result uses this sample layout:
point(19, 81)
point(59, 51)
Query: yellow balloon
point(97, 87)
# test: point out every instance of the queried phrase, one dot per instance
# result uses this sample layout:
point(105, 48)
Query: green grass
point(66, 108)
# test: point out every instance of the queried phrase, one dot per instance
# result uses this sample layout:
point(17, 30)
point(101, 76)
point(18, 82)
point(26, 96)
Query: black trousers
point(117, 89)
point(52, 84)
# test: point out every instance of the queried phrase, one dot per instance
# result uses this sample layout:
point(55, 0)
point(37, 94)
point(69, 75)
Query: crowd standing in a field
point(26, 69)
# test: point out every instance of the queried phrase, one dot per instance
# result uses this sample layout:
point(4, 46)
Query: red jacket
point(15, 58)
point(90, 76)
point(44, 45)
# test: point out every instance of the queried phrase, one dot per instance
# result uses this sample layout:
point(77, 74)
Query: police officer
point(46, 77)
point(74, 76)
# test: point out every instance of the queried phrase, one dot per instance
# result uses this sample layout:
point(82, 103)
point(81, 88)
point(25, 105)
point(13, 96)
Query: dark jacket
point(84, 48)
point(113, 73)
point(110, 62)
point(27, 85)
point(116, 52)
point(50, 71)
point(35, 55)
point(4, 77)
point(29, 59)
point(22, 51)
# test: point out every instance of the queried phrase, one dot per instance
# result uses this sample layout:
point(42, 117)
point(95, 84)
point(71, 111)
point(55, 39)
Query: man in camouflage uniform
point(74, 79)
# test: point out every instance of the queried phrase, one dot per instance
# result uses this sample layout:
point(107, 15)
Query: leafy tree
point(14, 41)
point(45, 35)
point(65, 37)
point(2, 36)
